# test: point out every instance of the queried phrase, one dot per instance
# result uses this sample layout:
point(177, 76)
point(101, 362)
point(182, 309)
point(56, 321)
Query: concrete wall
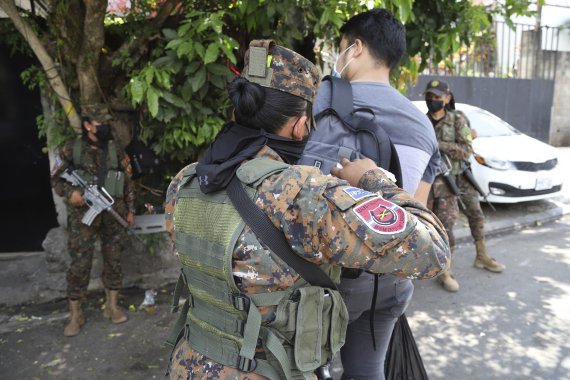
point(560, 126)
point(40, 276)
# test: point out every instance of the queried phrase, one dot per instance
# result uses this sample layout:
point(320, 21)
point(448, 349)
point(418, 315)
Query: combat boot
point(76, 319)
point(484, 261)
point(112, 308)
point(448, 281)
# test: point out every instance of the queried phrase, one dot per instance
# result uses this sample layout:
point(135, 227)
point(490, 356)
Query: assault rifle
point(445, 172)
point(471, 179)
point(98, 200)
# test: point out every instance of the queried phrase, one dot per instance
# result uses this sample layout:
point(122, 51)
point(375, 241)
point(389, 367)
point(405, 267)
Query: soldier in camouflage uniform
point(454, 140)
point(476, 219)
point(87, 154)
point(326, 220)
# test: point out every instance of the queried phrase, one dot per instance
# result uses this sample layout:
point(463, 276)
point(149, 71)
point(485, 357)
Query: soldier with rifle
point(470, 191)
point(91, 174)
point(454, 141)
point(456, 184)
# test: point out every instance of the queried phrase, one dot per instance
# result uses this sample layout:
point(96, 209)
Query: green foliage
point(59, 130)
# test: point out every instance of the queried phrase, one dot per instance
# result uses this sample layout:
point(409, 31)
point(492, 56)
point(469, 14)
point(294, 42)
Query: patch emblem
point(434, 83)
point(358, 194)
point(381, 216)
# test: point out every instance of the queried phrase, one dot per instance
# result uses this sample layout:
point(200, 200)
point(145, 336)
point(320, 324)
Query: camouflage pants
point(444, 205)
point(472, 211)
point(81, 246)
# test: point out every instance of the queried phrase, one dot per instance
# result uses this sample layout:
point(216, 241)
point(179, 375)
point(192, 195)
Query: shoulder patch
point(381, 216)
point(357, 193)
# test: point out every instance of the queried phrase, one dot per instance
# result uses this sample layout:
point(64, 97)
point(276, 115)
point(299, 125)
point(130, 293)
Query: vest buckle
point(246, 365)
point(240, 301)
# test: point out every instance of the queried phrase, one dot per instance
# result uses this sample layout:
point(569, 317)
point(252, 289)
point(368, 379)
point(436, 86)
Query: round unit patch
point(382, 216)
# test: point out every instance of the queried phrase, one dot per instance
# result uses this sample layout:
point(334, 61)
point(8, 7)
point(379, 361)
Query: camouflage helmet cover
point(274, 66)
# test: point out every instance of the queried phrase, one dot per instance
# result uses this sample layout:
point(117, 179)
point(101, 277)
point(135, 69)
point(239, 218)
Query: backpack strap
point(341, 96)
point(77, 150)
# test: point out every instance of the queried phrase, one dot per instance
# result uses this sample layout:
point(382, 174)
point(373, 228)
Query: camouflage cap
point(437, 87)
point(274, 66)
point(98, 112)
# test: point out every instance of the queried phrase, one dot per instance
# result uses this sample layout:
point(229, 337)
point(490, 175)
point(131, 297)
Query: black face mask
point(289, 150)
point(103, 132)
point(434, 105)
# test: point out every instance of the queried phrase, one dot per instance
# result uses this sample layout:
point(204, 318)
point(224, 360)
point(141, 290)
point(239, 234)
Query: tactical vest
point(114, 177)
point(446, 132)
point(223, 323)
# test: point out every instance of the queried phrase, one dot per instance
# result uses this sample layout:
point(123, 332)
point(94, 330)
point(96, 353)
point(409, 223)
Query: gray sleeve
point(413, 162)
point(431, 169)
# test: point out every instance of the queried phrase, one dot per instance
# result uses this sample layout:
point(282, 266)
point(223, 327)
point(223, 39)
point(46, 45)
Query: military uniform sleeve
point(170, 206)
point(382, 229)
point(62, 161)
point(461, 149)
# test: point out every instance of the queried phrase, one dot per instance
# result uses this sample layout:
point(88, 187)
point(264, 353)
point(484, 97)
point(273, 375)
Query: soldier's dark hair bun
point(247, 97)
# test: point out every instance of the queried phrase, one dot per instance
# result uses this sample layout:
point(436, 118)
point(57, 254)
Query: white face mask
point(337, 74)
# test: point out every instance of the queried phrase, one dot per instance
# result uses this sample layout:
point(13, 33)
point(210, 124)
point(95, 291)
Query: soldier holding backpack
point(261, 240)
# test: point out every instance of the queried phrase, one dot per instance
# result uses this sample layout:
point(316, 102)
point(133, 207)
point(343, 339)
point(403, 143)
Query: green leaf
point(217, 69)
point(199, 79)
point(185, 48)
point(211, 53)
point(170, 34)
point(137, 90)
point(152, 101)
point(192, 67)
point(200, 49)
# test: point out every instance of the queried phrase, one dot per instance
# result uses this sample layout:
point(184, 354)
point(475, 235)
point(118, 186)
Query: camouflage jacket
point(377, 227)
point(454, 139)
point(90, 156)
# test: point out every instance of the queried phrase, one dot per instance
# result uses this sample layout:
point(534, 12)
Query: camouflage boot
point(76, 319)
point(484, 261)
point(112, 308)
point(448, 281)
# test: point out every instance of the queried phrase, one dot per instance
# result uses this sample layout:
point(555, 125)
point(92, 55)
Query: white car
point(509, 165)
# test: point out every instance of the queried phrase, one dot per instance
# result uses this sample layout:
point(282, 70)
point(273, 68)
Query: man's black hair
point(382, 33)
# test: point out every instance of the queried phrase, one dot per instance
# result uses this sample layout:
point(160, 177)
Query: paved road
point(508, 326)
point(514, 325)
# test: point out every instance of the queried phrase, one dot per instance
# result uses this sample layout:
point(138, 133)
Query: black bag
point(403, 359)
point(143, 159)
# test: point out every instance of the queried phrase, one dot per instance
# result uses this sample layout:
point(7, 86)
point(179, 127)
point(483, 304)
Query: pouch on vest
point(115, 183)
point(313, 320)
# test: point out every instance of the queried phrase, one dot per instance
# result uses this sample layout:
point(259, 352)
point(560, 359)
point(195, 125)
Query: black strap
point(102, 170)
point(264, 229)
point(341, 96)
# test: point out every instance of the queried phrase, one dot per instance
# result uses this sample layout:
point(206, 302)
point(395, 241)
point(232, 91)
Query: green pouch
point(114, 183)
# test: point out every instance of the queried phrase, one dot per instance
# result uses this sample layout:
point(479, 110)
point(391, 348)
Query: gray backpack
point(345, 132)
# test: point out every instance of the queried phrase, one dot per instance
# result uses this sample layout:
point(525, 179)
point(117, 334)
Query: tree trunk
point(93, 39)
point(49, 66)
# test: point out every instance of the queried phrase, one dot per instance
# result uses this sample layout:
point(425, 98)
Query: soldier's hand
point(352, 171)
point(76, 199)
point(473, 133)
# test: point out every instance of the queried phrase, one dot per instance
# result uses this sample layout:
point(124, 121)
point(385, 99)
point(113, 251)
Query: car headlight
point(495, 163)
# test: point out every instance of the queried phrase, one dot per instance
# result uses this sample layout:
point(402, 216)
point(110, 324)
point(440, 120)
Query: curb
point(493, 228)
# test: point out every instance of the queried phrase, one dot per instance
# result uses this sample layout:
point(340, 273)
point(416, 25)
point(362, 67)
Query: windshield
point(489, 125)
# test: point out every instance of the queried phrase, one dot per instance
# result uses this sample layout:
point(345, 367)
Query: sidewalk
point(32, 344)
